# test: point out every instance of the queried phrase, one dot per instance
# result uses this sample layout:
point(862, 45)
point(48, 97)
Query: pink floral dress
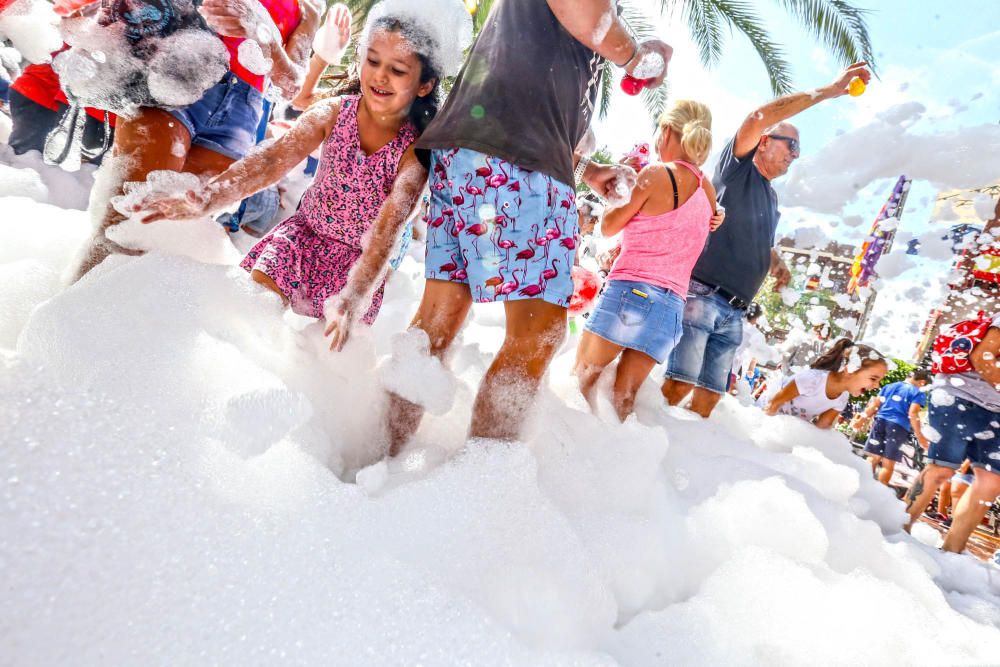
point(310, 254)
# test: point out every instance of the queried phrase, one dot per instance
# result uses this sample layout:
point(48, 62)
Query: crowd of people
point(499, 173)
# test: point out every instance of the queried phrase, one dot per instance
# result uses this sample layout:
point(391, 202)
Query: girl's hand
point(717, 219)
point(161, 206)
point(341, 321)
point(771, 410)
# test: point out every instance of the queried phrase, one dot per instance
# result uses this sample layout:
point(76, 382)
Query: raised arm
point(787, 106)
point(596, 25)
point(249, 20)
point(344, 310)
point(290, 60)
point(258, 170)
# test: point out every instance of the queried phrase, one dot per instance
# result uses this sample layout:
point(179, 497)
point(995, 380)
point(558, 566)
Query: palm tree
point(837, 24)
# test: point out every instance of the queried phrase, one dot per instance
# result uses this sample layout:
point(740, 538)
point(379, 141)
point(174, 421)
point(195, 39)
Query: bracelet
point(629, 61)
point(581, 167)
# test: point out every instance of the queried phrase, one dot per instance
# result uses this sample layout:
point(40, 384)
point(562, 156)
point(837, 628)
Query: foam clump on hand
point(444, 27)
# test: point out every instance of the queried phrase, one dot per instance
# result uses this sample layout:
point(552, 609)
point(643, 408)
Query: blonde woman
point(664, 228)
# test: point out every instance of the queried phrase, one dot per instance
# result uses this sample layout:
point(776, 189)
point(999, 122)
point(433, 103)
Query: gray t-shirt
point(738, 255)
point(971, 386)
point(523, 95)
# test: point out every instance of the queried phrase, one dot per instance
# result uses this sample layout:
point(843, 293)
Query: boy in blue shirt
point(898, 405)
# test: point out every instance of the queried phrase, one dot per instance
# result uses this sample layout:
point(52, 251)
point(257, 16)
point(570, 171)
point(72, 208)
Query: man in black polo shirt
point(740, 254)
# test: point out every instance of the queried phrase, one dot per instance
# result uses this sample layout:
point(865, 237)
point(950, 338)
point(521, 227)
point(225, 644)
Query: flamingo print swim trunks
point(507, 232)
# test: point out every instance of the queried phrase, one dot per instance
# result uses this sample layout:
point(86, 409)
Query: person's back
point(896, 401)
point(662, 241)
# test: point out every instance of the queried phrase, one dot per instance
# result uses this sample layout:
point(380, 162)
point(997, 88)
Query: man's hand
point(779, 271)
point(649, 56)
point(614, 182)
point(839, 86)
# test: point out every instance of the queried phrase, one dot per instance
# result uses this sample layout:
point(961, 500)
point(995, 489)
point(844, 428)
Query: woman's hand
point(341, 321)
point(717, 219)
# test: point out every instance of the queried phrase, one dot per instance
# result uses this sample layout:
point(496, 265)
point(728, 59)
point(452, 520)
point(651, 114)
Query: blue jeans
point(966, 431)
point(638, 316)
point(713, 330)
point(225, 119)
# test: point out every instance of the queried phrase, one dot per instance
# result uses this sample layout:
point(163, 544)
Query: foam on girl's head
point(439, 30)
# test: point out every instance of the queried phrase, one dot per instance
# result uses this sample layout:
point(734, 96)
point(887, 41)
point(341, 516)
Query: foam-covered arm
point(257, 171)
point(344, 310)
point(290, 60)
point(786, 394)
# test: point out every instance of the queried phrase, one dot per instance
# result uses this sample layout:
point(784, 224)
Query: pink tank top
point(661, 249)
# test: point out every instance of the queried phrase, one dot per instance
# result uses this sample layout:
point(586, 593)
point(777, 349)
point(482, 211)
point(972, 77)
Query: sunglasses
point(793, 143)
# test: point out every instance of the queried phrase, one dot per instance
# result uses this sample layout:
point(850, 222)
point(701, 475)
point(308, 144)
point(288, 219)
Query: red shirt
point(286, 15)
point(40, 84)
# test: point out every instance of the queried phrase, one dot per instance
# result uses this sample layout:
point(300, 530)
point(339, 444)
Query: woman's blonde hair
point(692, 121)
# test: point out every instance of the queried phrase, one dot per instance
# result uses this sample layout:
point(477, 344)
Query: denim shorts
point(886, 439)
point(638, 316)
point(225, 119)
point(507, 232)
point(967, 431)
point(713, 330)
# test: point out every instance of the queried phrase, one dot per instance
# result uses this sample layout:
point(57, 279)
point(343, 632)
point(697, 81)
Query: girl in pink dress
point(369, 179)
point(664, 228)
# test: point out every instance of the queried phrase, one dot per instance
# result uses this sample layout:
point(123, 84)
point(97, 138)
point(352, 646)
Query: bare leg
point(633, 369)
point(888, 465)
point(971, 509)
point(703, 401)
point(874, 460)
point(262, 278)
point(535, 329)
point(945, 499)
point(148, 142)
point(675, 390)
point(441, 315)
point(957, 491)
point(922, 492)
point(592, 356)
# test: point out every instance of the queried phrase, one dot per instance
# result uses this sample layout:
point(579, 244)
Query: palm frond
point(705, 26)
point(605, 91)
point(739, 15)
point(837, 24)
point(655, 100)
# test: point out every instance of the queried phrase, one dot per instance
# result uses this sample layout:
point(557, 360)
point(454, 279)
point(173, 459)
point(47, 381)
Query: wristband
point(581, 167)
point(629, 61)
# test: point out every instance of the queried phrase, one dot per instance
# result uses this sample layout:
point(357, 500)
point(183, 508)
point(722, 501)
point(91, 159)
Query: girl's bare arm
point(787, 393)
point(345, 308)
point(258, 170)
point(827, 419)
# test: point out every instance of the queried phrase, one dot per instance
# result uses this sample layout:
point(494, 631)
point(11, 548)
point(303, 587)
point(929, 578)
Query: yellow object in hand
point(472, 5)
point(856, 87)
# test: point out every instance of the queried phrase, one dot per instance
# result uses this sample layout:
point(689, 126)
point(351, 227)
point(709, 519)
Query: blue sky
point(940, 63)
